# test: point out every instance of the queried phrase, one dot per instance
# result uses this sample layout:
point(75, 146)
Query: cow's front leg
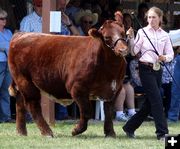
point(20, 116)
point(85, 114)
point(108, 123)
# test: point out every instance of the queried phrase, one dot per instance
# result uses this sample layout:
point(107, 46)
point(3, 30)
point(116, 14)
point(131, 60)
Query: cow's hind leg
point(85, 114)
point(32, 99)
point(20, 115)
point(108, 123)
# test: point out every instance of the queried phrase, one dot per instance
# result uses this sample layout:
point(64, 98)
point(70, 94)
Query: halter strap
point(115, 43)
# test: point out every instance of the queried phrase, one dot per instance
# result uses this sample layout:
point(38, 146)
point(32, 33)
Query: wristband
point(69, 25)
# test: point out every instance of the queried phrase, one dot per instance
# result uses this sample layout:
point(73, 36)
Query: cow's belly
point(69, 101)
point(64, 102)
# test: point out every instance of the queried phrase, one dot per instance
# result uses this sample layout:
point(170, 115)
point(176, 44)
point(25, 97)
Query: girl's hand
point(162, 58)
point(130, 33)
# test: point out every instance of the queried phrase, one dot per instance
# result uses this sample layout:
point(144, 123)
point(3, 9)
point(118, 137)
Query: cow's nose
point(124, 51)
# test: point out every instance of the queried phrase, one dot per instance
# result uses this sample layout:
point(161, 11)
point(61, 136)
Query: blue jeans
point(174, 110)
point(60, 112)
point(5, 80)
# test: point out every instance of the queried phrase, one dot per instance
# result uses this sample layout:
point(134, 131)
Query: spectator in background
point(128, 25)
point(11, 19)
point(126, 95)
point(33, 21)
point(174, 110)
point(141, 16)
point(166, 84)
point(73, 8)
point(127, 21)
point(5, 78)
point(67, 26)
point(127, 92)
point(85, 19)
point(134, 76)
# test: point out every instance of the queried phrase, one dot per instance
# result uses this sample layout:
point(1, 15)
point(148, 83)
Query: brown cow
point(79, 66)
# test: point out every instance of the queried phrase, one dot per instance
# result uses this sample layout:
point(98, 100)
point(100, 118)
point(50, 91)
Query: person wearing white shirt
point(150, 73)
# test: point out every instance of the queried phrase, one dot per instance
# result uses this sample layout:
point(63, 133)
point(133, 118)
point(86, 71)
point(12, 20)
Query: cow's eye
point(107, 38)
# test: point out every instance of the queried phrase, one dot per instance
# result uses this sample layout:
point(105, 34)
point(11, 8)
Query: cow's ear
point(94, 33)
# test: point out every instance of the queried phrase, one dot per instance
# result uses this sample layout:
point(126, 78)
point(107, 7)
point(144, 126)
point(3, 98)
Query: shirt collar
point(150, 28)
point(37, 16)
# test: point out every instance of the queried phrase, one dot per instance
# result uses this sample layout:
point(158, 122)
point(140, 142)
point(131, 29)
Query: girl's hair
point(158, 11)
point(3, 13)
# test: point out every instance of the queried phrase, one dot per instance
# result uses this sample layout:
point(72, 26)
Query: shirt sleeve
point(168, 51)
point(10, 34)
point(25, 25)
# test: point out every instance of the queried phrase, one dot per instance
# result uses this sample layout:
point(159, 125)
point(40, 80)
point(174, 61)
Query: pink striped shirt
point(160, 40)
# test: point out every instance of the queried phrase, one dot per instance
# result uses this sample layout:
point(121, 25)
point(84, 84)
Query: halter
point(115, 43)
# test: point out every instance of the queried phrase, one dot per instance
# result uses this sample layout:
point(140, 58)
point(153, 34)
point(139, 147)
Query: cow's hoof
point(77, 130)
point(22, 133)
point(48, 134)
point(51, 136)
point(111, 135)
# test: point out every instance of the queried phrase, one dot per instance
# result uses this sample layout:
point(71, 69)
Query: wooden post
point(47, 104)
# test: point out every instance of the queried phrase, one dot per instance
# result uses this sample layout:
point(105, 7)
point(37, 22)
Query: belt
point(146, 63)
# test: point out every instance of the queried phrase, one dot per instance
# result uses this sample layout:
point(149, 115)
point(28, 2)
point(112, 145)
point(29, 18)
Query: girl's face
point(153, 19)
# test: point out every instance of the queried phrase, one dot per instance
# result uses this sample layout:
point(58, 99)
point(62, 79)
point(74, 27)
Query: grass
point(93, 138)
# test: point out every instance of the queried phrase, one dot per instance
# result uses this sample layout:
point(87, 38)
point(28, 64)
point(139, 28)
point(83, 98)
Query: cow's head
point(114, 36)
point(112, 32)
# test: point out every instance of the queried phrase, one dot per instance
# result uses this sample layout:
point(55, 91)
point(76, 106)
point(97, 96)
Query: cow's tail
point(13, 89)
